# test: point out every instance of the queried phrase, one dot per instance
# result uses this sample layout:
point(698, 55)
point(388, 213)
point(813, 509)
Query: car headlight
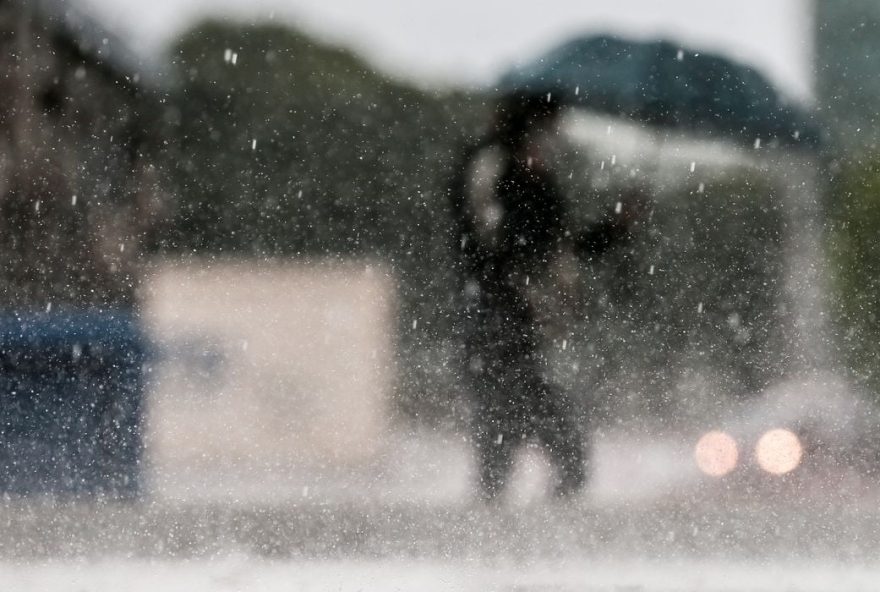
point(779, 451)
point(716, 453)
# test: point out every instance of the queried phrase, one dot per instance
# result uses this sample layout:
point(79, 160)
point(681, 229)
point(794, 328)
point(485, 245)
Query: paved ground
point(241, 573)
point(410, 522)
point(432, 468)
point(676, 529)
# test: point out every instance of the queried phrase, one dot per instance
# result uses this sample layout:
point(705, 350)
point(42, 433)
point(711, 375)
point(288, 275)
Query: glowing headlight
point(779, 451)
point(716, 454)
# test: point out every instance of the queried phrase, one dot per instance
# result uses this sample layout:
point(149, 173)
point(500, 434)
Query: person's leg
point(557, 427)
point(494, 425)
point(495, 452)
point(500, 359)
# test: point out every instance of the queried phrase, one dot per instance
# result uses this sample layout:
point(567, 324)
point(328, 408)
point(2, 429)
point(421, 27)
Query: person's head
point(519, 118)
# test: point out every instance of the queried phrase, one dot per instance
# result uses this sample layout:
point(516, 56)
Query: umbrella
point(662, 83)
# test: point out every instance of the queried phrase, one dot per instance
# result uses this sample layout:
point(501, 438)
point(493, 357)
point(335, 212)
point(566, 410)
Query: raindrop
point(701, 188)
point(651, 270)
point(700, 308)
point(680, 55)
point(618, 207)
point(757, 143)
point(253, 144)
point(73, 199)
point(693, 165)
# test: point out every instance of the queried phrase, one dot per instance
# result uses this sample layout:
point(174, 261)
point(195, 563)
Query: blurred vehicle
point(811, 432)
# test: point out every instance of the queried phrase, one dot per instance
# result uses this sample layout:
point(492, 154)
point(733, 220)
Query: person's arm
point(475, 208)
point(615, 228)
point(600, 237)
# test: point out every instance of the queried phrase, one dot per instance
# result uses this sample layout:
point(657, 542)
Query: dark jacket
point(532, 220)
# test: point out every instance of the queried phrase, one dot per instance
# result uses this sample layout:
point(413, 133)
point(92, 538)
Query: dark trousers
point(513, 400)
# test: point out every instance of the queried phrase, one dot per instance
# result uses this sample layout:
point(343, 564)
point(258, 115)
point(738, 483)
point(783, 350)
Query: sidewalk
point(418, 502)
point(433, 468)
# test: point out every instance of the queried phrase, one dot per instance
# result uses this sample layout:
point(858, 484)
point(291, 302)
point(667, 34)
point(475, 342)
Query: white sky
point(472, 41)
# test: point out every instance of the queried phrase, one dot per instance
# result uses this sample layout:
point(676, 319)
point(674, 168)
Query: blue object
point(72, 387)
point(663, 83)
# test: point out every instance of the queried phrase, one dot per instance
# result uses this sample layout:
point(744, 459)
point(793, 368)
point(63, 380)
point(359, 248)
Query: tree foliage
point(855, 258)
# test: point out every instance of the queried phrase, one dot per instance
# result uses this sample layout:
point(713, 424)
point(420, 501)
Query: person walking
point(511, 221)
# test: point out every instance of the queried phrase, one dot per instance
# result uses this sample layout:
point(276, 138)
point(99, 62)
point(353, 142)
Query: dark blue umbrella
point(661, 83)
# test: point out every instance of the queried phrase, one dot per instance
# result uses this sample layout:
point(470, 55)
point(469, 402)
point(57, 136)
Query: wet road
point(649, 522)
point(235, 574)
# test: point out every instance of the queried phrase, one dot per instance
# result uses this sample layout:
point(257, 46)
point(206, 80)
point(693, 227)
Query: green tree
point(855, 257)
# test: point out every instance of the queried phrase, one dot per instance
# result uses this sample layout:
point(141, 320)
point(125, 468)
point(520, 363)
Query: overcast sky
point(472, 41)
